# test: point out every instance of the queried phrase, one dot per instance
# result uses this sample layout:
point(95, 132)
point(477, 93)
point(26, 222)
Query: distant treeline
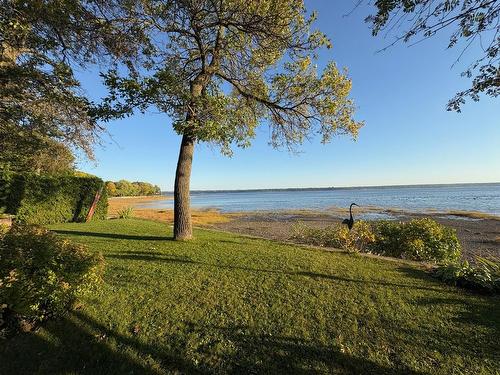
point(124, 188)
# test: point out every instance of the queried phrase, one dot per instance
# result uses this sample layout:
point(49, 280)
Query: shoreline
point(199, 217)
point(138, 202)
point(478, 232)
point(479, 237)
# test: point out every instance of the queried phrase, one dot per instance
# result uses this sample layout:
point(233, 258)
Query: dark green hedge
point(38, 199)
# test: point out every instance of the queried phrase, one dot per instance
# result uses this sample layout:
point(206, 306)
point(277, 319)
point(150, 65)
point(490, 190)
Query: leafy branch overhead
point(475, 24)
point(221, 68)
point(40, 45)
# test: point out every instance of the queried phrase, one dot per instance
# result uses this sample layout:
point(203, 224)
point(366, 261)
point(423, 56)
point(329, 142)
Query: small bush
point(419, 239)
point(41, 274)
point(337, 236)
point(126, 213)
point(484, 276)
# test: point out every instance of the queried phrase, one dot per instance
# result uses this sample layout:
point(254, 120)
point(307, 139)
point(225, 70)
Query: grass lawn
point(224, 303)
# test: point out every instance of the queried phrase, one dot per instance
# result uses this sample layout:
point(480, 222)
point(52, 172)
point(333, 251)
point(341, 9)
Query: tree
point(111, 188)
point(475, 23)
point(40, 43)
point(126, 188)
point(219, 68)
point(25, 150)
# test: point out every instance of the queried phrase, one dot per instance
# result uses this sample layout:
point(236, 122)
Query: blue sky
point(401, 94)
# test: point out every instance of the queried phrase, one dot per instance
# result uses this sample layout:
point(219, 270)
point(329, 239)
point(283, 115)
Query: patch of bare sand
point(119, 203)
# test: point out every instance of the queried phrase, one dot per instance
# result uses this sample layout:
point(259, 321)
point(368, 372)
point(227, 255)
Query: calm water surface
point(468, 197)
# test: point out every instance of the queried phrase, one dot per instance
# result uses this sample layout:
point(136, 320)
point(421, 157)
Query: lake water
point(467, 197)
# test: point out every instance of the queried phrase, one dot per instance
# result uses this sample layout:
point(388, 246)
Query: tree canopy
point(40, 45)
point(472, 23)
point(24, 150)
point(124, 188)
point(220, 68)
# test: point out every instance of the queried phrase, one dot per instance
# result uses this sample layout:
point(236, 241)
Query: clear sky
point(401, 94)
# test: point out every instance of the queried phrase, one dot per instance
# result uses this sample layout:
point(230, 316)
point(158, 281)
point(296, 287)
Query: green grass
point(224, 303)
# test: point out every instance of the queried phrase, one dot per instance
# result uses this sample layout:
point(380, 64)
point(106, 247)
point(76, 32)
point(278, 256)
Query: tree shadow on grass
point(82, 345)
point(162, 257)
point(117, 236)
point(473, 332)
point(74, 348)
point(151, 257)
point(265, 354)
point(478, 309)
point(368, 282)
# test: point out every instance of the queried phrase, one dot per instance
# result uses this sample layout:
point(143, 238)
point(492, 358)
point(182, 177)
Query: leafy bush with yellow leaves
point(41, 274)
point(420, 239)
point(125, 213)
point(358, 239)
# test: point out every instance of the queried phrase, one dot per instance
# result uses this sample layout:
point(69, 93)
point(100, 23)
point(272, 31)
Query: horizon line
point(335, 187)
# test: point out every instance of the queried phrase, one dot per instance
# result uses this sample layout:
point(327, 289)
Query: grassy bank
point(226, 303)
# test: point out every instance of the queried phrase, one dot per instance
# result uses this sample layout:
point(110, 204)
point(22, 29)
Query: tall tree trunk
point(182, 209)
point(183, 229)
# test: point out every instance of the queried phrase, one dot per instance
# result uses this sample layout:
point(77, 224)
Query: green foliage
point(6, 177)
point(51, 199)
point(419, 239)
point(483, 276)
point(125, 213)
point(338, 236)
point(40, 44)
point(28, 150)
point(41, 274)
point(124, 188)
point(220, 69)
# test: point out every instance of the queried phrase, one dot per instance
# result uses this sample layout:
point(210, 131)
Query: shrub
point(419, 239)
point(47, 199)
point(125, 213)
point(388, 237)
point(362, 236)
point(338, 236)
point(484, 276)
point(41, 274)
